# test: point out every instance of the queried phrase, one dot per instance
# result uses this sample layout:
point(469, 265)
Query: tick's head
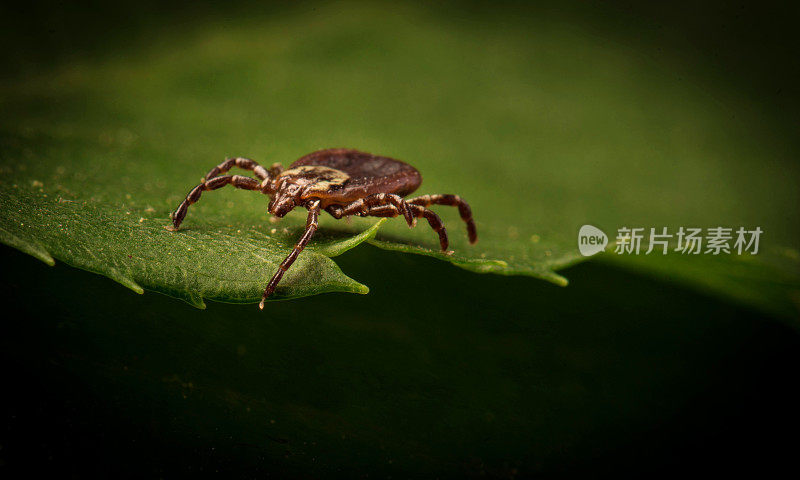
point(284, 200)
point(280, 206)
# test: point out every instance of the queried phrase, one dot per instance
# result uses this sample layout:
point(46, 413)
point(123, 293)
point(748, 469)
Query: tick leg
point(238, 181)
point(245, 164)
point(418, 211)
point(275, 170)
point(363, 205)
point(311, 228)
point(335, 211)
point(453, 201)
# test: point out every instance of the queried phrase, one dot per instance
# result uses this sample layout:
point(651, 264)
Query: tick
point(343, 182)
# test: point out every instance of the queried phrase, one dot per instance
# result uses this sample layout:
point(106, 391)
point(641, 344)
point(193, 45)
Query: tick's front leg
point(238, 181)
point(311, 227)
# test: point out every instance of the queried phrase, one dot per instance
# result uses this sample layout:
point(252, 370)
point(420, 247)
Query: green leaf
point(541, 128)
point(221, 263)
point(767, 280)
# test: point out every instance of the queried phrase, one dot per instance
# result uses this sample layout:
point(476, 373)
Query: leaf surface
point(221, 263)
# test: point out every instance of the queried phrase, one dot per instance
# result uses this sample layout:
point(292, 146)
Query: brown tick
point(342, 182)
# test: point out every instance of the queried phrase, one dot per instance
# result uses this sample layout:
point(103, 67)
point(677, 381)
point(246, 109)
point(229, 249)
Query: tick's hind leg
point(433, 220)
point(362, 206)
point(238, 181)
point(453, 201)
point(311, 227)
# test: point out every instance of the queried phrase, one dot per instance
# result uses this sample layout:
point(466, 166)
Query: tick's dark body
point(341, 181)
point(368, 174)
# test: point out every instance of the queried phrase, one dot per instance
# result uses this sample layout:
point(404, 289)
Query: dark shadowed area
point(416, 377)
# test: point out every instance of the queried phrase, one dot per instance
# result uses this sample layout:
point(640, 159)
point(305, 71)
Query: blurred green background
point(545, 116)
